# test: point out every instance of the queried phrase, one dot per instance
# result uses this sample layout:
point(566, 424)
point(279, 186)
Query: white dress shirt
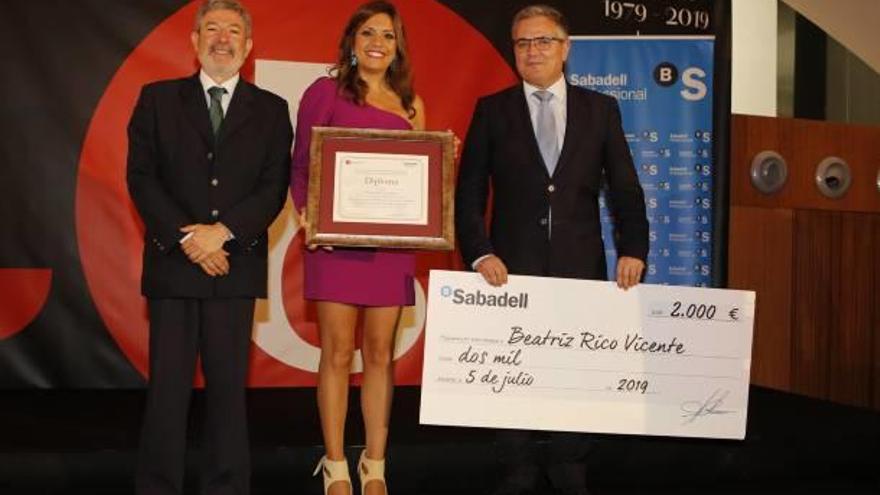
point(557, 106)
point(229, 85)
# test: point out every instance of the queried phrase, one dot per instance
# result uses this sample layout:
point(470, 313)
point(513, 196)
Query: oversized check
point(576, 355)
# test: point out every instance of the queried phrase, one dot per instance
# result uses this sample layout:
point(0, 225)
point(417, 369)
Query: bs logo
point(650, 168)
point(666, 74)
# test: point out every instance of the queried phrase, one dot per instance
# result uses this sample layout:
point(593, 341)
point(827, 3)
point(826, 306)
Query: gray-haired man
point(208, 166)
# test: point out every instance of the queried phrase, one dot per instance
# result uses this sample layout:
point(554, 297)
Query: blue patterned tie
point(546, 130)
point(216, 108)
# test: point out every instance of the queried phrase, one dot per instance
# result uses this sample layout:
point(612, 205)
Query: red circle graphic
point(453, 64)
point(23, 292)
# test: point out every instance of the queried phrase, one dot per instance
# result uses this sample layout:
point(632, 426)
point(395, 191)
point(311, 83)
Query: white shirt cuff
point(478, 260)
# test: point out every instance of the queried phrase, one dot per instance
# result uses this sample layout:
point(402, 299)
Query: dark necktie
point(216, 109)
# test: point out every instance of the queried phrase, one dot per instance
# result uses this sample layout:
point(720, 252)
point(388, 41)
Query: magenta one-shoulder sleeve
point(315, 109)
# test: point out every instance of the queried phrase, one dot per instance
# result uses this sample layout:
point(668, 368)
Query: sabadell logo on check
point(479, 298)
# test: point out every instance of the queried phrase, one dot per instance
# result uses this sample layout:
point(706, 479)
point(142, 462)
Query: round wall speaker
point(769, 172)
point(833, 177)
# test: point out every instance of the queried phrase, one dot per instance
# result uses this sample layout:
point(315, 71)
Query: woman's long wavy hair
point(399, 73)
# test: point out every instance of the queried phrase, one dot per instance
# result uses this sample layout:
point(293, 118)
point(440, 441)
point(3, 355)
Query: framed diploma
point(380, 188)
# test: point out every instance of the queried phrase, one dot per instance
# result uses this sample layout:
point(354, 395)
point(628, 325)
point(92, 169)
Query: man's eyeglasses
point(542, 43)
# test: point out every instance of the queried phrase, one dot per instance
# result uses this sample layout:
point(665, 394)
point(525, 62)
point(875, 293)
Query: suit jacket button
point(210, 155)
point(543, 222)
point(215, 213)
point(551, 188)
point(214, 182)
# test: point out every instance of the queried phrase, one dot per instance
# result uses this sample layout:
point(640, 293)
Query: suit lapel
point(521, 115)
point(240, 109)
point(574, 123)
point(195, 106)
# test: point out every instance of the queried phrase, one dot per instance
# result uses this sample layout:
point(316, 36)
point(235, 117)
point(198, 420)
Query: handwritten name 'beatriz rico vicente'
point(632, 342)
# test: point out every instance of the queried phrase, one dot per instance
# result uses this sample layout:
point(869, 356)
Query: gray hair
point(233, 5)
point(541, 10)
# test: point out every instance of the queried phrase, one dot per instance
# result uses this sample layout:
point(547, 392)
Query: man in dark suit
point(546, 147)
point(208, 166)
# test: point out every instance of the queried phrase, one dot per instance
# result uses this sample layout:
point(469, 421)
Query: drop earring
point(354, 60)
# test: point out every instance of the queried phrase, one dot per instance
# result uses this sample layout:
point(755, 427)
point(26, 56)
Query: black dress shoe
point(504, 490)
point(520, 480)
point(511, 491)
point(580, 491)
point(568, 478)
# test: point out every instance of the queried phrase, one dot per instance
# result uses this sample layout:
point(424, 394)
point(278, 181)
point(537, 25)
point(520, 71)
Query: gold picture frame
point(429, 154)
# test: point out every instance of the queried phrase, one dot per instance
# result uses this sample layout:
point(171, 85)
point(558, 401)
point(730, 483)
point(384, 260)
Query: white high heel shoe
point(334, 472)
point(371, 470)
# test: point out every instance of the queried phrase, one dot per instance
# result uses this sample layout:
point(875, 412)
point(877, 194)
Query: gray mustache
point(228, 48)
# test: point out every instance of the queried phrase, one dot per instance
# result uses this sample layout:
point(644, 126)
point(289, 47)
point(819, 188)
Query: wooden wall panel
point(760, 257)
point(803, 144)
point(851, 355)
point(813, 261)
point(875, 328)
point(812, 301)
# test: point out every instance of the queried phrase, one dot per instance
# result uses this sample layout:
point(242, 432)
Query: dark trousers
point(563, 459)
point(219, 331)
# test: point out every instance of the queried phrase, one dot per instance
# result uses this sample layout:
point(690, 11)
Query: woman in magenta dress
point(370, 87)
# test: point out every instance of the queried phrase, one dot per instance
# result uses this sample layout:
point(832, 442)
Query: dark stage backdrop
point(70, 312)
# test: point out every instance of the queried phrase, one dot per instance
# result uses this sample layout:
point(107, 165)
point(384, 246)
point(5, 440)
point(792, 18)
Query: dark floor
point(84, 442)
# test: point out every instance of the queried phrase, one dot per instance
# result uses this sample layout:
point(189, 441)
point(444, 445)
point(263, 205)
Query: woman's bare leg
point(336, 322)
point(380, 325)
